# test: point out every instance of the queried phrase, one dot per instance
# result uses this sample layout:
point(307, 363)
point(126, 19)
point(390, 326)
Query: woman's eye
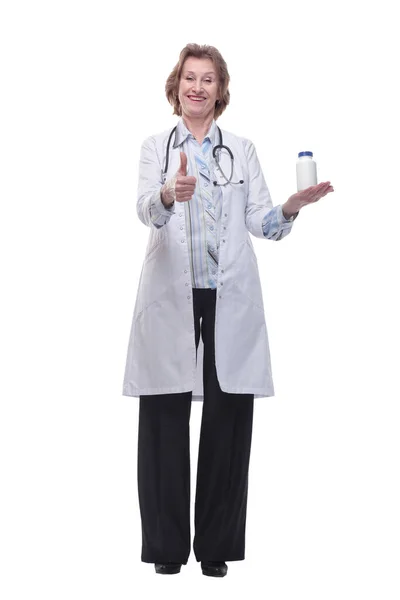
point(208, 80)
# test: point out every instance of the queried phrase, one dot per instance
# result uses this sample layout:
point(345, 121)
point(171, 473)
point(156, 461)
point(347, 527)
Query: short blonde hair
point(172, 84)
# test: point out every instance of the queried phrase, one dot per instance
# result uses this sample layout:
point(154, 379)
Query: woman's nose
point(197, 87)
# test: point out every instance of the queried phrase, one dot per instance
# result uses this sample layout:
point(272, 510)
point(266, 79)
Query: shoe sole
point(167, 569)
point(214, 571)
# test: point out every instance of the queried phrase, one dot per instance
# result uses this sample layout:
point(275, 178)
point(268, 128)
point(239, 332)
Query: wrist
point(287, 212)
point(164, 203)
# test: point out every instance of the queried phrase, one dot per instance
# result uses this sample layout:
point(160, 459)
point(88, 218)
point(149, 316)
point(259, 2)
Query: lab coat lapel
point(174, 160)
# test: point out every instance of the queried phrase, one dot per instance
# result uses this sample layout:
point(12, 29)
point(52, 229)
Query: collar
point(182, 132)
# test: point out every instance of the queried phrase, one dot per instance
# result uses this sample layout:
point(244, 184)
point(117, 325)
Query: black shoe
point(169, 568)
point(214, 568)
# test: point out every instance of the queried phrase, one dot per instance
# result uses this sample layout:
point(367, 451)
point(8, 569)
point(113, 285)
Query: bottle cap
point(306, 153)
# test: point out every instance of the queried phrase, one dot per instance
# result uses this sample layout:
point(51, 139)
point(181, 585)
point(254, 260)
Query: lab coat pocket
point(251, 248)
point(157, 272)
point(247, 278)
point(156, 239)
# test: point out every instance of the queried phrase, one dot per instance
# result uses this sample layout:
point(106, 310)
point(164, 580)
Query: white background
point(82, 86)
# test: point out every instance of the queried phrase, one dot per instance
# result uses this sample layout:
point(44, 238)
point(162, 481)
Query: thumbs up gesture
point(181, 187)
point(183, 166)
point(185, 184)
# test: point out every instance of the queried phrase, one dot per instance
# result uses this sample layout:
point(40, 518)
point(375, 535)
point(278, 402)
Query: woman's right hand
point(181, 187)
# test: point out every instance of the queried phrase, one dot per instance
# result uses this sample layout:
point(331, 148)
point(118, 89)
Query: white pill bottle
point(306, 170)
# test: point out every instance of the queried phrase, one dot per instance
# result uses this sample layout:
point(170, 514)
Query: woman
point(200, 276)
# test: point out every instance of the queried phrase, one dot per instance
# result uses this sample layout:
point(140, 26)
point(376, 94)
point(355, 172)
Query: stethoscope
point(214, 152)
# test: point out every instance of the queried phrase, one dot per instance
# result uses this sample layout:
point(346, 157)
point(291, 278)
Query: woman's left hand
point(304, 197)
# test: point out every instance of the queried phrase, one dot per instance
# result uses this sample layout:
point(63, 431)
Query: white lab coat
point(161, 357)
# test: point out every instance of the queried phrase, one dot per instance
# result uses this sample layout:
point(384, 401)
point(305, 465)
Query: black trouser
point(222, 470)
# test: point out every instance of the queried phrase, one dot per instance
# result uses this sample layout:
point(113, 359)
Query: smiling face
point(198, 88)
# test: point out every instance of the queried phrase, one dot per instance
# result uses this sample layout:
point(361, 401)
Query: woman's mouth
point(196, 98)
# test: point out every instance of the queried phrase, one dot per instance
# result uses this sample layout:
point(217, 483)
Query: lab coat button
point(185, 270)
point(188, 297)
point(182, 241)
point(222, 270)
point(181, 227)
point(226, 214)
point(186, 283)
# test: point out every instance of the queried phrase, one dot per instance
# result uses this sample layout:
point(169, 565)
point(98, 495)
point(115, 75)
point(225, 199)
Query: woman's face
point(198, 79)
